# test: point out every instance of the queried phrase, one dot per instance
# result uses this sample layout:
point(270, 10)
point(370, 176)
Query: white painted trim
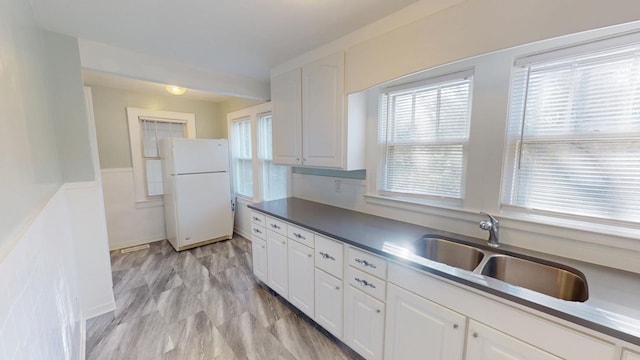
point(116, 170)
point(82, 351)
point(241, 233)
point(100, 309)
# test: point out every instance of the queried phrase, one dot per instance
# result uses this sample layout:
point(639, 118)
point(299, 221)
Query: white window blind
point(424, 130)
point(274, 177)
point(574, 135)
point(151, 133)
point(242, 158)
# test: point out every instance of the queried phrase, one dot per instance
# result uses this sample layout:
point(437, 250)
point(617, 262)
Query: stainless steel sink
point(558, 281)
point(448, 252)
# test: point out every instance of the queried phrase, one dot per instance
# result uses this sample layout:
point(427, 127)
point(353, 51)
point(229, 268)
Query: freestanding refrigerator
point(197, 191)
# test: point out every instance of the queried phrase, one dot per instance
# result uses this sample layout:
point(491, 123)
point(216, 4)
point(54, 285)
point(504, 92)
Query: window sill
point(149, 203)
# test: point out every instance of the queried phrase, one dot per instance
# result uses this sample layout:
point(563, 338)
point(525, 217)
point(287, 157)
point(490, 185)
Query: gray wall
point(35, 134)
point(110, 105)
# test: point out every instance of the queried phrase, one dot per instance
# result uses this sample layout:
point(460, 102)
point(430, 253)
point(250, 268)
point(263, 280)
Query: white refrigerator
point(197, 191)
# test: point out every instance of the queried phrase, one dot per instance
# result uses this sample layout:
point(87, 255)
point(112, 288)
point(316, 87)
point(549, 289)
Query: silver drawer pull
point(275, 226)
point(365, 283)
point(298, 236)
point(257, 231)
point(257, 219)
point(365, 263)
point(327, 256)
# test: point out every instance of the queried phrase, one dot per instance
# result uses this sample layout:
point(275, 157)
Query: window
point(274, 177)
point(146, 128)
point(573, 135)
point(241, 154)
point(423, 132)
point(255, 175)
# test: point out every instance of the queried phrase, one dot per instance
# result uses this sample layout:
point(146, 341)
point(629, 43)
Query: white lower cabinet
point(630, 355)
point(485, 343)
point(364, 323)
point(328, 302)
point(259, 254)
point(417, 328)
point(301, 277)
point(277, 274)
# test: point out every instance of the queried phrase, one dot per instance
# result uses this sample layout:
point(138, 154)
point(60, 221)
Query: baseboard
point(241, 233)
point(99, 310)
point(128, 244)
point(83, 339)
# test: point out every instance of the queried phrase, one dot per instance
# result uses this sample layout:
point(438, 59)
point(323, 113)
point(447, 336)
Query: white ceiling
point(243, 37)
point(96, 78)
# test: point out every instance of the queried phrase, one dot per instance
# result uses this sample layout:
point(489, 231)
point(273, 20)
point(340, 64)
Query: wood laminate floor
point(202, 303)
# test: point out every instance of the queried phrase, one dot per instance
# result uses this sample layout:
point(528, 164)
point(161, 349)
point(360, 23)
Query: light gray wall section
point(29, 163)
point(109, 105)
point(68, 107)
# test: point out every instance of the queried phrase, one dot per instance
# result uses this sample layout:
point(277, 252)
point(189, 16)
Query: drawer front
point(257, 218)
point(258, 231)
point(329, 256)
point(277, 226)
point(300, 235)
point(368, 263)
point(367, 283)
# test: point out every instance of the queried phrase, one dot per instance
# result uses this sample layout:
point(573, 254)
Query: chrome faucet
point(492, 225)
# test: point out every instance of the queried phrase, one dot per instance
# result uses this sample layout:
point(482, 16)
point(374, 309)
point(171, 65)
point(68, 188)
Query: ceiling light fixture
point(175, 90)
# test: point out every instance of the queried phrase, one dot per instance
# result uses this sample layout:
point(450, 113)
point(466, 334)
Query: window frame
point(453, 74)
point(134, 117)
point(254, 113)
point(234, 168)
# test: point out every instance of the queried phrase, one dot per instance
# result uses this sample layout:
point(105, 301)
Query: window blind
point(152, 132)
point(274, 177)
point(574, 135)
point(424, 130)
point(242, 158)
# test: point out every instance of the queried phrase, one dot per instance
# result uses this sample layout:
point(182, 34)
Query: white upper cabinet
point(311, 125)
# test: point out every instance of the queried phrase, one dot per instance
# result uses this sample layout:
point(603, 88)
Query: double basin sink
point(539, 275)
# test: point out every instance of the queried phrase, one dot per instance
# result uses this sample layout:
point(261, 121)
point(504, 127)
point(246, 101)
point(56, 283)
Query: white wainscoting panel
point(40, 306)
point(127, 224)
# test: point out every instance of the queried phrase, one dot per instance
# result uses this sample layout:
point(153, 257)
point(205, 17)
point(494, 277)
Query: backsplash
point(40, 314)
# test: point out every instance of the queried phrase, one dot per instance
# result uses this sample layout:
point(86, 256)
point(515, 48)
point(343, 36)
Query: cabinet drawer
point(258, 231)
point(277, 226)
point(367, 283)
point(368, 263)
point(329, 256)
point(300, 235)
point(257, 218)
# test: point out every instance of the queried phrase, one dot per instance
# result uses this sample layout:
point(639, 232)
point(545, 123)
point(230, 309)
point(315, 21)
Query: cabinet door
point(420, 329)
point(630, 355)
point(364, 323)
point(328, 301)
point(259, 254)
point(301, 277)
point(323, 118)
point(277, 263)
point(286, 102)
point(485, 343)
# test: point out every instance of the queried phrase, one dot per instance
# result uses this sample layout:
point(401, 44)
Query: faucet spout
point(492, 225)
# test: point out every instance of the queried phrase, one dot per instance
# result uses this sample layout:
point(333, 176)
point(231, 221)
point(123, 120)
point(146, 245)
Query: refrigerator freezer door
point(204, 207)
point(200, 155)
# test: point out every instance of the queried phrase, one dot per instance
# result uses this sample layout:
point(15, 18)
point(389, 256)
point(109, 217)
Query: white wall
point(40, 306)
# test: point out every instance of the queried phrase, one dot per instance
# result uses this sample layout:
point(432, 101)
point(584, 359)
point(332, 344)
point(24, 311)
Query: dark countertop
point(384, 236)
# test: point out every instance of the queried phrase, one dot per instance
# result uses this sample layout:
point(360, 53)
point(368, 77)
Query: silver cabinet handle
point(475, 334)
point(257, 219)
point(365, 263)
point(337, 287)
point(275, 226)
point(455, 326)
point(284, 243)
point(298, 236)
point(257, 231)
point(309, 255)
point(327, 256)
point(364, 283)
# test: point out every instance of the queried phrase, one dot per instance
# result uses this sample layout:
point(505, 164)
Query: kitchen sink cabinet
point(301, 277)
point(417, 328)
point(311, 124)
point(328, 302)
point(630, 355)
point(364, 323)
point(277, 275)
point(485, 343)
